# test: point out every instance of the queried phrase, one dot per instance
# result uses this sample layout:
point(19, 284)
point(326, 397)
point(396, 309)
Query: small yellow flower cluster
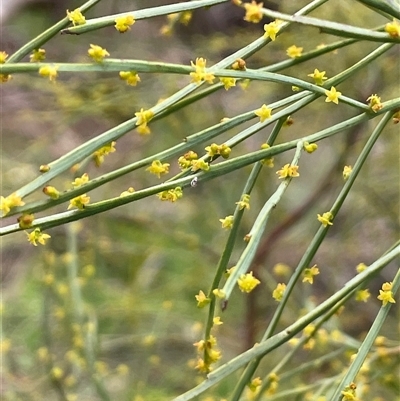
point(239, 64)
point(219, 293)
point(363, 295)
point(98, 155)
point(309, 332)
point(346, 172)
point(228, 82)
point(253, 12)
point(26, 220)
point(37, 56)
point(310, 147)
point(247, 282)
point(210, 354)
point(200, 73)
point(325, 219)
point(332, 95)
point(186, 160)
point(255, 384)
point(129, 191)
point(393, 28)
point(272, 29)
point(244, 203)
point(130, 77)
point(124, 23)
point(200, 164)
point(269, 162)
point(143, 118)
point(288, 171)
point(158, 168)
point(294, 51)
point(97, 53)
point(374, 102)
point(361, 267)
point(349, 393)
point(79, 202)
point(171, 195)
point(51, 192)
point(76, 17)
point(274, 379)
point(227, 222)
point(79, 181)
point(37, 236)
point(309, 273)
point(202, 299)
point(263, 112)
point(6, 204)
point(319, 77)
point(214, 150)
point(3, 58)
point(49, 71)
point(183, 18)
point(279, 291)
point(386, 294)
point(282, 270)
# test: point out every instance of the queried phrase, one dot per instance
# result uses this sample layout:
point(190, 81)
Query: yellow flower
point(202, 299)
point(253, 12)
point(288, 171)
point(294, 51)
point(319, 77)
point(386, 294)
point(97, 53)
point(25, 221)
point(264, 113)
point(308, 275)
point(346, 172)
point(244, 203)
point(349, 393)
point(6, 204)
point(269, 161)
point(171, 195)
point(129, 191)
point(79, 181)
point(255, 383)
point(332, 95)
point(123, 24)
point(228, 82)
point(37, 56)
point(279, 291)
point(98, 155)
point(158, 168)
point(200, 73)
point(325, 219)
point(281, 269)
point(5, 77)
point(79, 202)
point(362, 295)
point(143, 129)
point(48, 71)
point(361, 267)
point(393, 29)
point(130, 77)
point(76, 17)
point(272, 29)
point(375, 103)
point(200, 164)
point(310, 147)
point(202, 366)
point(3, 57)
point(239, 64)
point(247, 282)
point(217, 321)
point(37, 236)
point(219, 293)
point(144, 116)
point(227, 222)
point(214, 150)
point(185, 161)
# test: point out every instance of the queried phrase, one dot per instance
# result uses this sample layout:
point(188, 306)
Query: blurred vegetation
point(140, 265)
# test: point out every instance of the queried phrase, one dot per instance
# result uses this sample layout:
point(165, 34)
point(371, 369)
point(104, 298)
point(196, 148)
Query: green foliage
point(285, 136)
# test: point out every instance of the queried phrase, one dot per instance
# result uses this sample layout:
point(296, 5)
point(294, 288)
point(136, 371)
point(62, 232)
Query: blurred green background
point(141, 265)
